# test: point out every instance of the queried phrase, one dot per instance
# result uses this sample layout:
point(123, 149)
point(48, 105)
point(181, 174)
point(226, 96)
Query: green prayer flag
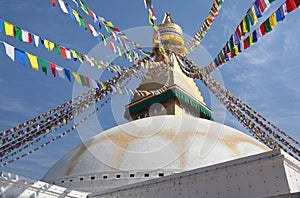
point(271, 1)
point(82, 23)
point(57, 49)
point(247, 23)
point(268, 25)
point(18, 33)
point(44, 65)
point(82, 79)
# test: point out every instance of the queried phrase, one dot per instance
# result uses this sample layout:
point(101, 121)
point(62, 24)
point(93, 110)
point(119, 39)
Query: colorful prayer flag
point(9, 29)
point(290, 5)
point(33, 61)
point(10, 51)
point(21, 56)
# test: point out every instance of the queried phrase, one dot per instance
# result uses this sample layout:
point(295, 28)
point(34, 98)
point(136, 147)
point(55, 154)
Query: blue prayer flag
point(21, 56)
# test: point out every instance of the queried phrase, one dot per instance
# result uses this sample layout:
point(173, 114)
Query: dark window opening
point(131, 175)
point(146, 174)
point(160, 174)
point(81, 179)
point(71, 180)
point(118, 176)
point(105, 177)
point(93, 177)
point(62, 181)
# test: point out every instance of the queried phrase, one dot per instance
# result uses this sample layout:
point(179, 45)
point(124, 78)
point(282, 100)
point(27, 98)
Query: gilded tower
point(181, 95)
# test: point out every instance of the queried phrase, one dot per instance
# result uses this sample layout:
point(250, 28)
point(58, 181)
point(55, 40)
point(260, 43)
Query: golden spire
point(170, 35)
point(167, 18)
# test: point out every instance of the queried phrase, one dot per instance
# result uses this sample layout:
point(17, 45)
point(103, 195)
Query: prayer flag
point(262, 5)
point(71, 12)
point(290, 5)
point(10, 51)
point(9, 29)
point(253, 14)
point(68, 54)
point(49, 45)
point(1, 25)
point(63, 6)
point(60, 71)
point(33, 61)
point(67, 73)
point(254, 36)
point(297, 2)
point(262, 29)
point(82, 79)
point(63, 51)
point(257, 10)
point(76, 76)
point(44, 65)
point(278, 15)
point(272, 19)
point(53, 3)
point(268, 26)
point(87, 81)
point(18, 32)
point(21, 56)
point(52, 66)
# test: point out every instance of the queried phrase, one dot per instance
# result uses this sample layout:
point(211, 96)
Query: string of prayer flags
point(249, 118)
point(51, 123)
point(237, 43)
point(110, 28)
point(204, 28)
point(84, 23)
point(35, 62)
point(66, 52)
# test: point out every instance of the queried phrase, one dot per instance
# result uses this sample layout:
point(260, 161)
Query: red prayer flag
point(262, 29)
point(63, 52)
point(87, 80)
point(91, 13)
point(238, 31)
point(111, 45)
point(290, 5)
point(52, 66)
point(297, 2)
point(53, 3)
point(29, 38)
point(245, 44)
point(262, 5)
point(88, 26)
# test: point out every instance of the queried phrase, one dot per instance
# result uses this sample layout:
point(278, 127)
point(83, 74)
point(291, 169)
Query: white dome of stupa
point(166, 143)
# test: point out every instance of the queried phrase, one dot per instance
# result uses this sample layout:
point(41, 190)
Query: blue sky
point(266, 76)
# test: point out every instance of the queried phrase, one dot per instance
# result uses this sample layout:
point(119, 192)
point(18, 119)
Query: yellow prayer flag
point(245, 29)
point(9, 29)
point(75, 13)
point(250, 39)
point(76, 76)
point(49, 45)
point(109, 24)
point(236, 50)
point(33, 61)
point(272, 19)
point(74, 54)
point(102, 85)
point(119, 50)
point(253, 16)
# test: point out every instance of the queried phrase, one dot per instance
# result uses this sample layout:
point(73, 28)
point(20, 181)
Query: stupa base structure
point(270, 174)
